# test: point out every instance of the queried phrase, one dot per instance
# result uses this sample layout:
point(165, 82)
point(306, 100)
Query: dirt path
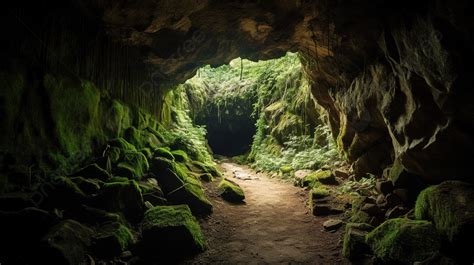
point(273, 227)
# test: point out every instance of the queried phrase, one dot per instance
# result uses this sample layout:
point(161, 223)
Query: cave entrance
point(247, 105)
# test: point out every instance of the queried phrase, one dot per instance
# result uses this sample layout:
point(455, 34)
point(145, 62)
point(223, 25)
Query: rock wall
point(394, 76)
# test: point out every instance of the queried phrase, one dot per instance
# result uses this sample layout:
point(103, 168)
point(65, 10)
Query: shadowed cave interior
point(237, 132)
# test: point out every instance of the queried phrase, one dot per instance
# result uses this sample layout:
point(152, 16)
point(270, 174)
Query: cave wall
point(393, 76)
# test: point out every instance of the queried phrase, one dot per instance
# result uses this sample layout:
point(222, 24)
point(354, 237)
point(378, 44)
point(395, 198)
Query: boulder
point(123, 197)
point(354, 246)
point(318, 193)
point(66, 243)
point(404, 241)
point(88, 186)
point(171, 229)
point(92, 216)
point(449, 206)
point(61, 193)
point(92, 171)
point(231, 191)
point(179, 187)
point(323, 177)
point(111, 240)
point(332, 224)
point(132, 165)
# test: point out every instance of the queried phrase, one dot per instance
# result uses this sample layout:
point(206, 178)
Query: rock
point(340, 174)
point(231, 191)
point(88, 186)
point(332, 224)
point(66, 243)
point(132, 165)
point(384, 186)
point(111, 240)
point(300, 174)
point(61, 193)
point(323, 209)
point(92, 216)
point(200, 167)
point(323, 177)
point(396, 212)
point(179, 187)
point(152, 192)
point(124, 197)
point(171, 229)
point(381, 200)
point(92, 171)
point(371, 209)
point(354, 246)
point(404, 241)
point(449, 206)
point(318, 193)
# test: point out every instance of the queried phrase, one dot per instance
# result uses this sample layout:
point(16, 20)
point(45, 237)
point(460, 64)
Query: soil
point(274, 226)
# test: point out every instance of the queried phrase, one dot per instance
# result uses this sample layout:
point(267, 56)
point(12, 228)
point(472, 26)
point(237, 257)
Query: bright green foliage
point(230, 191)
point(160, 219)
point(404, 240)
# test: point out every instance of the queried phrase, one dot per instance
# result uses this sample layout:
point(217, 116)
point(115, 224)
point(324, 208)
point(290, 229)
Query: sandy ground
point(274, 226)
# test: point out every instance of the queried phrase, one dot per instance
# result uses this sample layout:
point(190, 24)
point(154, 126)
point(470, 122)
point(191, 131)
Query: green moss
point(354, 246)
point(112, 239)
point(231, 191)
point(403, 240)
point(318, 193)
point(286, 169)
point(122, 144)
point(133, 165)
point(164, 152)
point(113, 154)
point(124, 197)
point(449, 206)
point(324, 177)
point(147, 152)
point(117, 179)
point(160, 219)
point(201, 167)
point(180, 155)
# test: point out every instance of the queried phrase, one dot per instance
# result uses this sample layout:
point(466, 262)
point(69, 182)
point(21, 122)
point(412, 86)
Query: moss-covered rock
point(111, 240)
point(132, 165)
point(123, 197)
point(171, 229)
point(88, 186)
point(122, 144)
point(61, 193)
point(231, 191)
point(404, 241)
point(449, 206)
point(93, 171)
point(92, 216)
point(152, 192)
point(323, 177)
point(179, 187)
point(66, 243)
point(354, 246)
point(164, 152)
point(201, 167)
point(180, 156)
point(318, 193)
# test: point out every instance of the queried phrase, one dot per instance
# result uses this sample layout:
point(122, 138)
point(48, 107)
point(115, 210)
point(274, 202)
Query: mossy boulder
point(122, 144)
point(404, 241)
point(111, 240)
point(180, 156)
point(318, 193)
point(93, 171)
point(123, 197)
point(164, 152)
point(171, 229)
point(450, 207)
point(66, 243)
point(354, 246)
point(141, 138)
point(61, 193)
point(323, 177)
point(201, 167)
point(88, 186)
point(133, 165)
point(152, 192)
point(92, 216)
point(231, 191)
point(286, 170)
point(178, 186)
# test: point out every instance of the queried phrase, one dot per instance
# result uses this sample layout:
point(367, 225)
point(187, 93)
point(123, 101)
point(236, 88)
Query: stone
point(449, 206)
point(404, 241)
point(231, 191)
point(371, 209)
point(171, 229)
point(323, 177)
point(66, 243)
point(111, 240)
point(332, 224)
point(340, 174)
point(92, 216)
point(124, 197)
point(384, 186)
point(179, 187)
point(61, 193)
point(318, 193)
point(132, 165)
point(88, 186)
point(354, 246)
point(93, 171)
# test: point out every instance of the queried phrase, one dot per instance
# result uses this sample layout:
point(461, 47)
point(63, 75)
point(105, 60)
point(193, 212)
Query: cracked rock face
point(395, 77)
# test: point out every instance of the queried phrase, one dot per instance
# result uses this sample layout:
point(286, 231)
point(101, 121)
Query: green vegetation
point(231, 191)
